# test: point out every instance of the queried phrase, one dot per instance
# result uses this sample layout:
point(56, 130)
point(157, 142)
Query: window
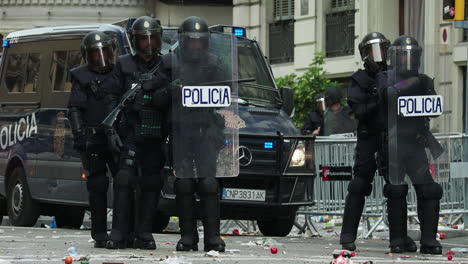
point(283, 10)
point(62, 63)
point(282, 42)
point(339, 28)
point(22, 72)
point(281, 38)
point(340, 34)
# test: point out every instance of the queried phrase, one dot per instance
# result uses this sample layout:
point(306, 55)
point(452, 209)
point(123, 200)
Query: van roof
point(59, 31)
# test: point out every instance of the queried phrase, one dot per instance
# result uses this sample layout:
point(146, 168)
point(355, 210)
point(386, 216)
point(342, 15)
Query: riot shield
point(417, 94)
point(205, 136)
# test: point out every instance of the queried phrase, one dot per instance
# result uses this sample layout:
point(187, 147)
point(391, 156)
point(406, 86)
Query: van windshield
point(256, 86)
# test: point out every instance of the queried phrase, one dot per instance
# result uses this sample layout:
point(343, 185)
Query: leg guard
point(97, 186)
point(123, 203)
point(185, 201)
point(210, 213)
point(429, 196)
point(354, 204)
point(397, 215)
point(147, 203)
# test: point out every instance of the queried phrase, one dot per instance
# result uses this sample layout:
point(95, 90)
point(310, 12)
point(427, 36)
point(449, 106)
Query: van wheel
point(279, 227)
point(160, 222)
point(22, 209)
point(71, 218)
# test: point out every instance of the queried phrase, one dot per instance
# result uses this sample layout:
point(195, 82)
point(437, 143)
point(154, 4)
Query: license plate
point(243, 194)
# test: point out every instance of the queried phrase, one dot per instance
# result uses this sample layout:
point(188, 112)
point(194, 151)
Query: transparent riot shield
point(417, 96)
point(205, 134)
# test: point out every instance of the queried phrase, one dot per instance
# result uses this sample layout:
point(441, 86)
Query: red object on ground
point(235, 232)
point(330, 230)
point(455, 226)
point(442, 235)
point(449, 257)
point(353, 254)
point(273, 250)
point(450, 252)
point(68, 260)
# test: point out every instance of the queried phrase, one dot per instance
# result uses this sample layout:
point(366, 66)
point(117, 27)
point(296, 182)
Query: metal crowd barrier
point(330, 195)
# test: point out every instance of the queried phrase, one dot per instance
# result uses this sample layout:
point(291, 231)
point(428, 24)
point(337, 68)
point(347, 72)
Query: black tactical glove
point(372, 66)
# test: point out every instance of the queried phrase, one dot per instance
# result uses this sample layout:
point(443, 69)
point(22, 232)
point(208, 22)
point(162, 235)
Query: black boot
point(98, 208)
point(147, 203)
point(211, 222)
point(354, 205)
point(188, 225)
point(428, 214)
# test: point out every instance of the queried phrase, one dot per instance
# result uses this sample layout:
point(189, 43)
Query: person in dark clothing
point(92, 98)
point(142, 131)
point(364, 101)
point(337, 117)
point(406, 138)
point(197, 137)
point(314, 122)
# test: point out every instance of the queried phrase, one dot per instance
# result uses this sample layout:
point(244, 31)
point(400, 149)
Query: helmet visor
point(376, 52)
point(148, 43)
point(405, 58)
point(100, 56)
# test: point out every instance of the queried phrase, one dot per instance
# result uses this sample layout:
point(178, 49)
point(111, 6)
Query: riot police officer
point(364, 101)
point(92, 98)
point(141, 128)
point(197, 136)
point(405, 142)
point(314, 122)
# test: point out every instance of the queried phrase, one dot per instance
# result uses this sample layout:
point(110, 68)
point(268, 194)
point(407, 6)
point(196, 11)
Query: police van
point(40, 173)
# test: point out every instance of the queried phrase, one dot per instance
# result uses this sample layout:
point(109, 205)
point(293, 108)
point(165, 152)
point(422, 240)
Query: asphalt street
point(50, 245)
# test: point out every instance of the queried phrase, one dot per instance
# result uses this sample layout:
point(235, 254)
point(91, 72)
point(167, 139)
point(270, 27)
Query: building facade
point(24, 14)
point(291, 31)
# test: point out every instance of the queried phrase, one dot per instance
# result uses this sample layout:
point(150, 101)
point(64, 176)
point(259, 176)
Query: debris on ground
point(72, 251)
point(212, 253)
point(459, 250)
point(176, 260)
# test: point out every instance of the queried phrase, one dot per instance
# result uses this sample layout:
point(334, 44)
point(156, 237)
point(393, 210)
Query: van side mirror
point(287, 95)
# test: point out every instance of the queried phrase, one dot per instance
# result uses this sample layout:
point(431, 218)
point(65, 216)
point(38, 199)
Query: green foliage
point(306, 87)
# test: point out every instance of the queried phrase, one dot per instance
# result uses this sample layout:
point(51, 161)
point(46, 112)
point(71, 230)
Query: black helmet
point(146, 35)
point(97, 49)
point(374, 47)
point(333, 96)
point(193, 38)
point(405, 55)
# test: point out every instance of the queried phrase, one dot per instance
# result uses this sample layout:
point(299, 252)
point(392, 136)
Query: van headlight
point(298, 158)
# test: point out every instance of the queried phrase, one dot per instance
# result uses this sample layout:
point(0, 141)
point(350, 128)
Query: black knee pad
point(98, 183)
point(360, 186)
point(123, 178)
point(208, 185)
point(151, 183)
point(184, 186)
point(430, 191)
point(395, 191)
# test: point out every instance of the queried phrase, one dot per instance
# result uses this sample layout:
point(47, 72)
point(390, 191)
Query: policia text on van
point(40, 173)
